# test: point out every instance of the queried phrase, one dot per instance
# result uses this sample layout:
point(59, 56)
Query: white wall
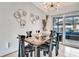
point(9, 28)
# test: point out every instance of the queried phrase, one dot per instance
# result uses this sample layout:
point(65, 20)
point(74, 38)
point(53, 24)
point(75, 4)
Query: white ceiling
point(62, 4)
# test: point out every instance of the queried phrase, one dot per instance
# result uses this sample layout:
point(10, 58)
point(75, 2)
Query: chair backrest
point(21, 37)
point(38, 31)
point(29, 34)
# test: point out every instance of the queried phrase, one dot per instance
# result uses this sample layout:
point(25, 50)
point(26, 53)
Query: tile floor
point(64, 51)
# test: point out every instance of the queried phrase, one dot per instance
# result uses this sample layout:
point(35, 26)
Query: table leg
point(50, 48)
point(38, 52)
point(35, 53)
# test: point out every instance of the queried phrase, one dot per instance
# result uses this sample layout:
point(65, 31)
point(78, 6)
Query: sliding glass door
point(58, 26)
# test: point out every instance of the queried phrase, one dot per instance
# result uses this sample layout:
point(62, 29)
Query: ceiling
point(40, 5)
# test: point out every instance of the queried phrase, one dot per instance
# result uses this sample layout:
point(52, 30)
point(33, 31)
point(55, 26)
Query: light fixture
point(51, 5)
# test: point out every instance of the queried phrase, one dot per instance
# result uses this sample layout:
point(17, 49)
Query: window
point(58, 24)
point(72, 23)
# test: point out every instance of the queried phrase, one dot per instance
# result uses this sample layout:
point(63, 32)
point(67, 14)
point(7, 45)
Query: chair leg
point(22, 49)
point(27, 55)
point(31, 54)
point(44, 53)
point(38, 52)
point(50, 49)
point(19, 50)
point(56, 50)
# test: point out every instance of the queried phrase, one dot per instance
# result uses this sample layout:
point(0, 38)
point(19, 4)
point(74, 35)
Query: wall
point(9, 28)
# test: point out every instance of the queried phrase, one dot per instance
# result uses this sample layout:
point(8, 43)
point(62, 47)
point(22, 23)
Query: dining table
point(36, 41)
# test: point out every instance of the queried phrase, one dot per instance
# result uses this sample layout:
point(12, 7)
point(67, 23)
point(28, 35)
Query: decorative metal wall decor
point(37, 17)
point(22, 23)
point(44, 22)
point(34, 18)
point(31, 15)
point(33, 21)
point(18, 15)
